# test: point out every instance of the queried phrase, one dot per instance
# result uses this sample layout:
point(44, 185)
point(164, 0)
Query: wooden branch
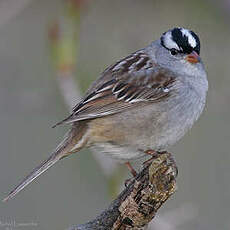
point(139, 202)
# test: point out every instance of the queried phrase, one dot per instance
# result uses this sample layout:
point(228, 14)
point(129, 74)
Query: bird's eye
point(173, 51)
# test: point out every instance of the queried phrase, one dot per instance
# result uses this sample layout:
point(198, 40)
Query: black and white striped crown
point(181, 40)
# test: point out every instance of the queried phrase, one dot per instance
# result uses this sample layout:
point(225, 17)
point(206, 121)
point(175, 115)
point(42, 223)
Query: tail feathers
point(64, 148)
point(34, 174)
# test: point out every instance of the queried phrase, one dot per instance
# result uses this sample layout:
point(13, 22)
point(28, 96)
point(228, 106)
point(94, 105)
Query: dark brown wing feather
point(129, 82)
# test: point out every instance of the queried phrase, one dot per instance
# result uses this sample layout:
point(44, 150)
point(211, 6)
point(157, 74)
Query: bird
point(144, 102)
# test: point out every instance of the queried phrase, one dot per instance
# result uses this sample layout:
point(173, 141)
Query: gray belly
point(155, 126)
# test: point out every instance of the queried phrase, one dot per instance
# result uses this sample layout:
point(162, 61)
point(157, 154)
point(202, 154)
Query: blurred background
point(50, 51)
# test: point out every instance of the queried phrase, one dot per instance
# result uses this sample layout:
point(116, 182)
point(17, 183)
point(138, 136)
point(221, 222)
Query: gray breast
point(158, 125)
point(183, 110)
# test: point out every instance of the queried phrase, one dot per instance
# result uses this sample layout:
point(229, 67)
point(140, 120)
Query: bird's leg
point(133, 172)
point(131, 169)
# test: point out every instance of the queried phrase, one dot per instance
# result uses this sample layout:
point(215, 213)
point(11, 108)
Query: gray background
point(75, 190)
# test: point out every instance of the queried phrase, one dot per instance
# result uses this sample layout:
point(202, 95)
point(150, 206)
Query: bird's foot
point(153, 155)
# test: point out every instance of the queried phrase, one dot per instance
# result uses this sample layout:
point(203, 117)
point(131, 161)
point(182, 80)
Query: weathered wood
point(139, 202)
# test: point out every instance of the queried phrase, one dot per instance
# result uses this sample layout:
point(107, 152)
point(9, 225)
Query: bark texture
point(139, 202)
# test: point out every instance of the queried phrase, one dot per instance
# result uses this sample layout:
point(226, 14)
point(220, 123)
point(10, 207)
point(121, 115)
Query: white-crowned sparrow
point(146, 101)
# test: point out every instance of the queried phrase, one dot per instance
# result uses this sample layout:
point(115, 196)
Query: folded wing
point(131, 81)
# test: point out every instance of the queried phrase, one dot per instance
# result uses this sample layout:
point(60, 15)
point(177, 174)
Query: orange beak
point(193, 57)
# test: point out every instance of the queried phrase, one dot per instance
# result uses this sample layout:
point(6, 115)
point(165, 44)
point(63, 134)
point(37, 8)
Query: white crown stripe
point(172, 40)
point(191, 39)
point(169, 43)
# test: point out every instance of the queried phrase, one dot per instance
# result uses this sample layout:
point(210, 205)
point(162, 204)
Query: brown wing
point(131, 81)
